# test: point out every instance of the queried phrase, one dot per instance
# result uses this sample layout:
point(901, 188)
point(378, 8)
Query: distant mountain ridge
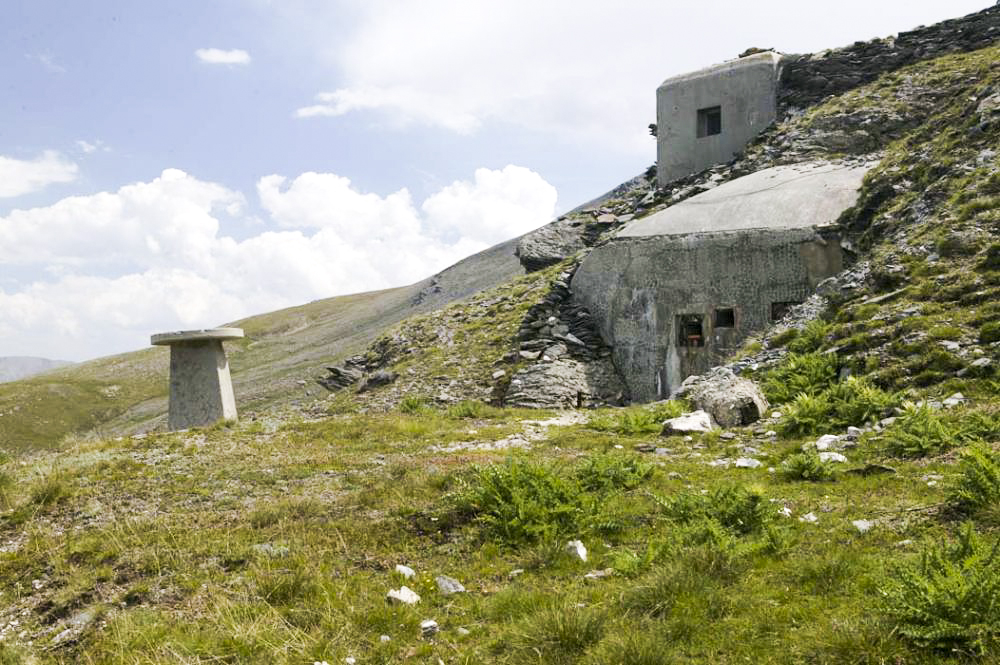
point(13, 368)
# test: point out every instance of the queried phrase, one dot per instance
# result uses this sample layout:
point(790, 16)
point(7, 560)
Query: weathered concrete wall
point(201, 390)
point(742, 247)
point(745, 91)
point(637, 287)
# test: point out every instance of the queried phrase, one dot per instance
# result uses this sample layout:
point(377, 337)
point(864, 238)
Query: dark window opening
point(709, 121)
point(689, 330)
point(725, 318)
point(779, 309)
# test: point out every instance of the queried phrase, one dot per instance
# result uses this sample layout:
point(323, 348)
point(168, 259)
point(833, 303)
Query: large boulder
point(731, 400)
point(551, 244)
point(566, 383)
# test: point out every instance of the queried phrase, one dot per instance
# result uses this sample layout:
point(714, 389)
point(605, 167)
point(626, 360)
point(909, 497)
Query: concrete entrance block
point(201, 390)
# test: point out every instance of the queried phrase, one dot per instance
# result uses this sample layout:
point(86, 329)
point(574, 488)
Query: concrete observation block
point(201, 390)
point(707, 117)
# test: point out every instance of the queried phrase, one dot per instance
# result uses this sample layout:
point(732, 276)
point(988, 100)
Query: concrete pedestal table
point(201, 390)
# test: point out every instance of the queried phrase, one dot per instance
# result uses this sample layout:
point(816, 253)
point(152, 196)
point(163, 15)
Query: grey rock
point(696, 421)
point(955, 400)
point(863, 526)
point(747, 463)
point(599, 574)
point(577, 549)
point(378, 378)
point(405, 571)
point(825, 442)
point(731, 400)
point(271, 550)
point(551, 244)
point(429, 628)
point(448, 585)
point(76, 625)
point(403, 595)
point(566, 383)
point(555, 351)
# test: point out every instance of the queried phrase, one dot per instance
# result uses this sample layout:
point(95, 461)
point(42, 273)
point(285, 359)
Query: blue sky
point(324, 148)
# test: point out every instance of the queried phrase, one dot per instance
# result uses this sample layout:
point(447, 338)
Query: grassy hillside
point(275, 366)
point(278, 540)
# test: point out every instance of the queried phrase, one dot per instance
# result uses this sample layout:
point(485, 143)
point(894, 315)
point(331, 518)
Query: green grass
point(248, 544)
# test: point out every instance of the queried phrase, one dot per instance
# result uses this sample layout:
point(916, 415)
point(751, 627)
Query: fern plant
point(949, 599)
point(735, 507)
point(978, 482)
point(807, 466)
point(807, 373)
point(851, 402)
point(636, 419)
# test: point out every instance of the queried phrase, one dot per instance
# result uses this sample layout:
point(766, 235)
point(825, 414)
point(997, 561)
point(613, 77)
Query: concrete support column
point(201, 390)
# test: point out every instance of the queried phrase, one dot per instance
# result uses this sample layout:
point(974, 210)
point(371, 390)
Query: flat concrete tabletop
point(167, 338)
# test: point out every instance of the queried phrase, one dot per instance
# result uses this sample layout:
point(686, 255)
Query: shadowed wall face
point(707, 117)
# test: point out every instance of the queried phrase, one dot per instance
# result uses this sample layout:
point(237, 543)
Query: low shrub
point(948, 600)
point(807, 466)
point(810, 338)
point(602, 473)
point(989, 332)
point(799, 374)
point(978, 483)
point(520, 501)
point(646, 419)
point(473, 409)
point(51, 490)
point(851, 402)
point(735, 507)
point(922, 430)
point(413, 404)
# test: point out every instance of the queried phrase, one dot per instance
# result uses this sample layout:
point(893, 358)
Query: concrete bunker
point(201, 389)
point(706, 117)
point(675, 292)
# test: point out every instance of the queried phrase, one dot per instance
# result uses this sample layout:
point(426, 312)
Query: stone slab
point(181, 336)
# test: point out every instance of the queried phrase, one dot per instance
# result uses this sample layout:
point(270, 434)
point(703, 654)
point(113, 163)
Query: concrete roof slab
point(790, 196)
point(181, 336)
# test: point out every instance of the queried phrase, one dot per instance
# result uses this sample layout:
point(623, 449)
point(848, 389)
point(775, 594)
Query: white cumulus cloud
point(111, 268)
point(21, 176)
point(218, 56)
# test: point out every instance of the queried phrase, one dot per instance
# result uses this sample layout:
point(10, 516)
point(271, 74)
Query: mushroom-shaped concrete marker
point(201, 391)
